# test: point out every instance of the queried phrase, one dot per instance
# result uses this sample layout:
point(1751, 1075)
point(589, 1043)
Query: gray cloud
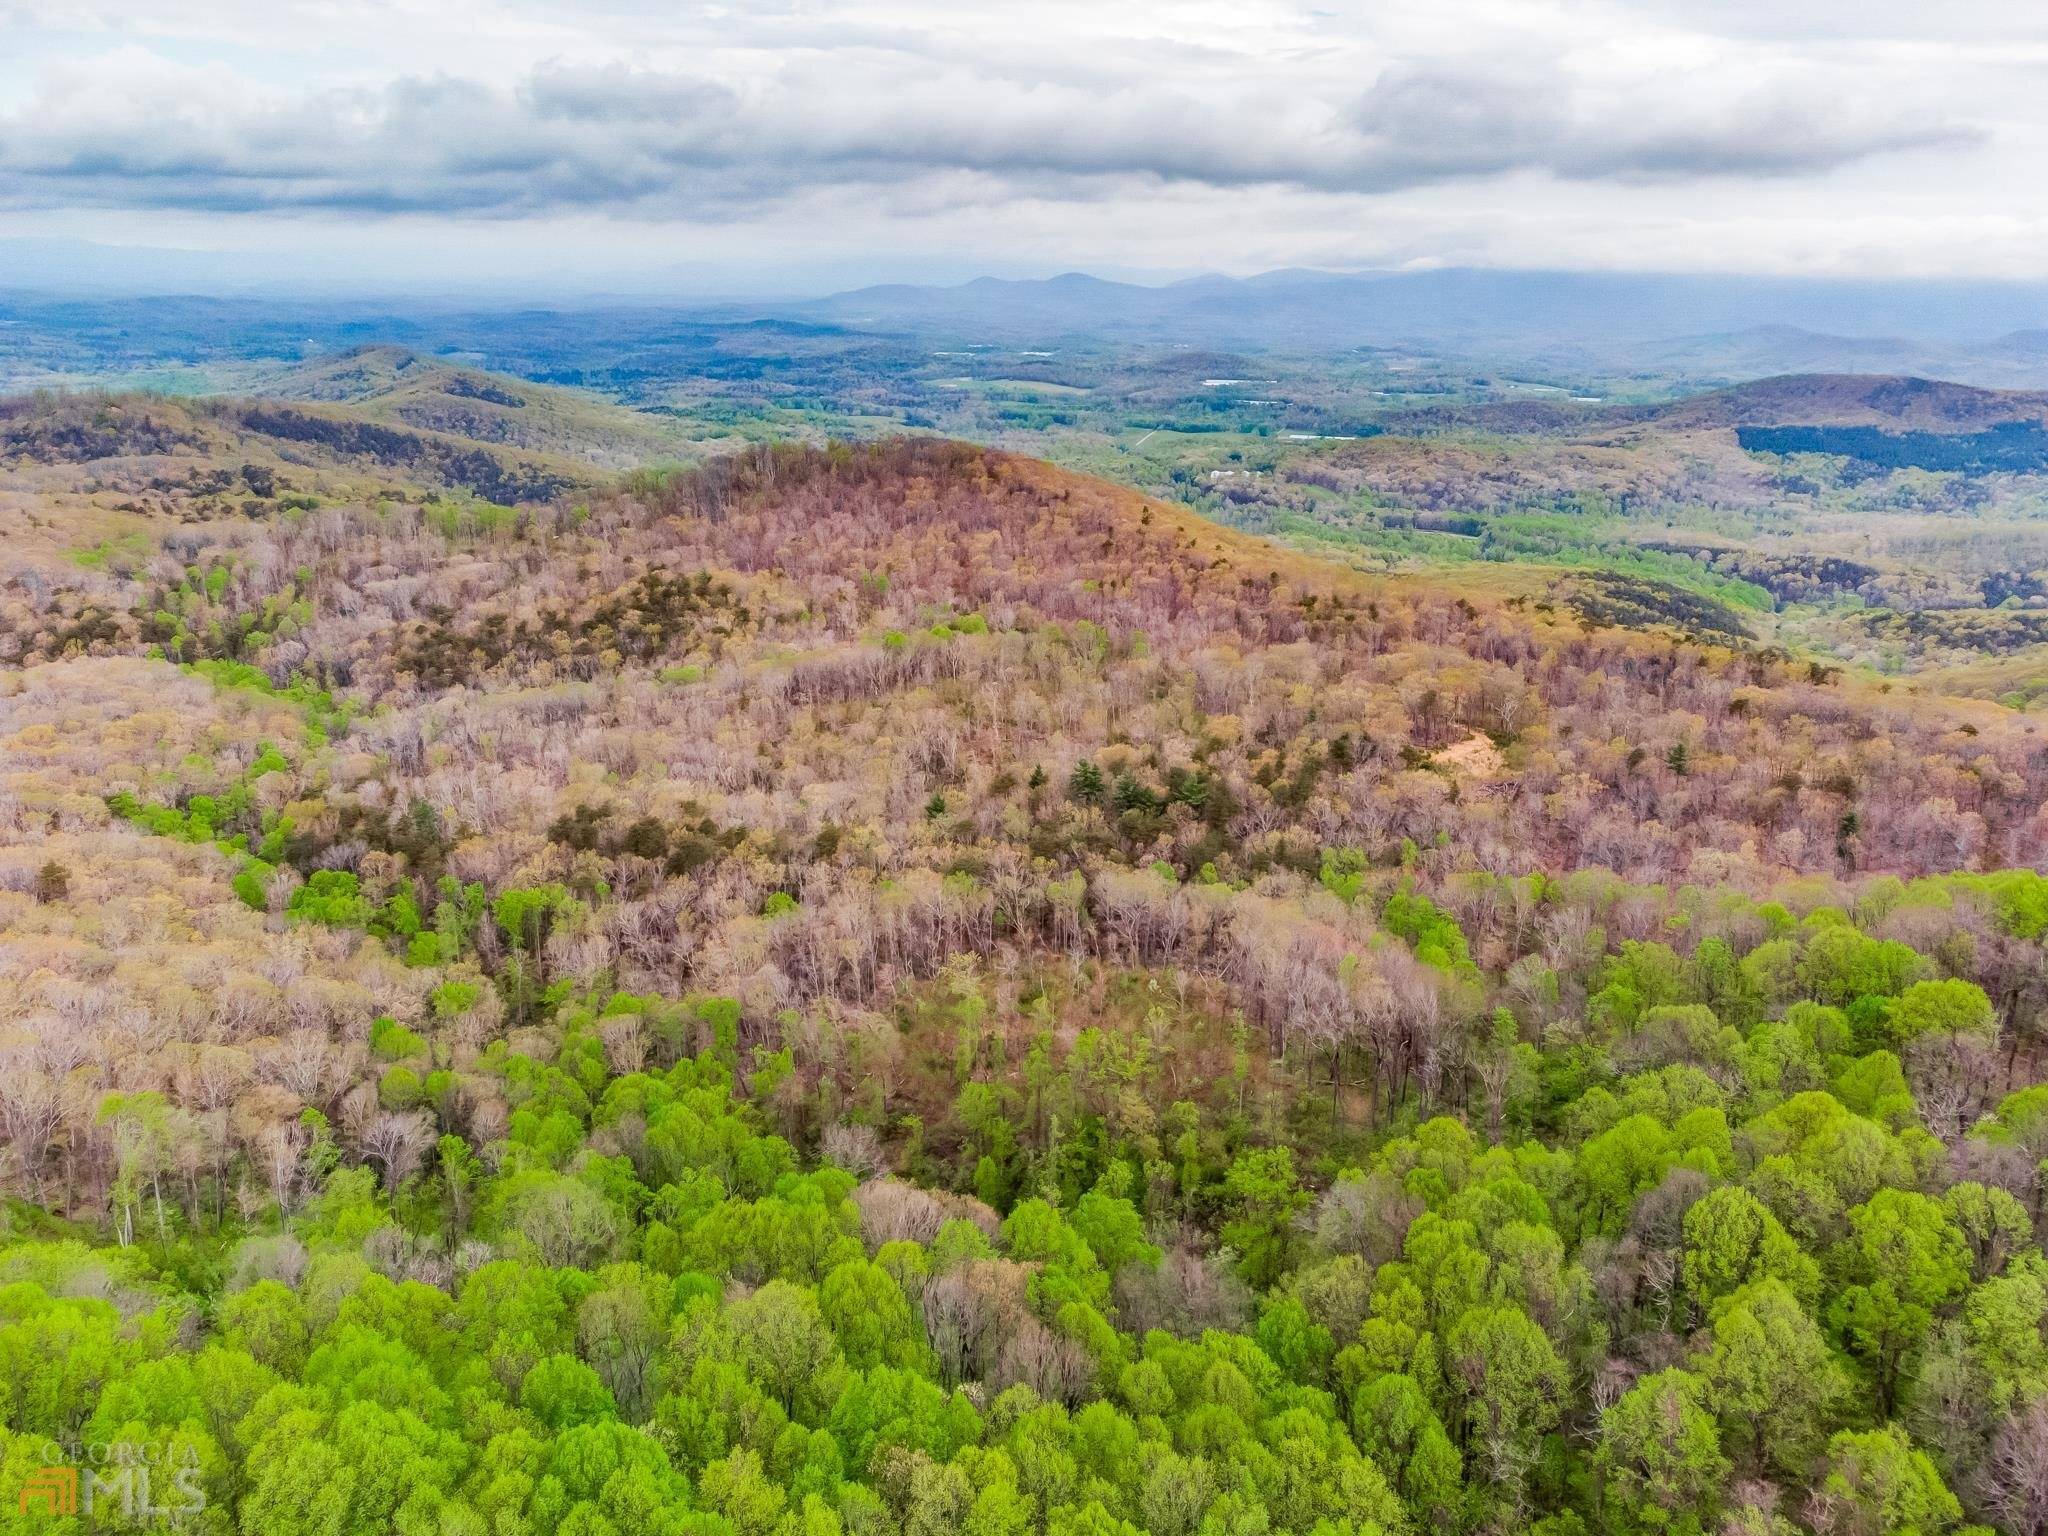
point(678, 144)
point(1433, 123)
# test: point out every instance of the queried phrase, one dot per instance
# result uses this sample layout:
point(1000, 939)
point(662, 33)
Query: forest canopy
point(885, 990)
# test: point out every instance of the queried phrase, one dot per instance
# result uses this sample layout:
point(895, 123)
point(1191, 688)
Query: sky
point(759, 148)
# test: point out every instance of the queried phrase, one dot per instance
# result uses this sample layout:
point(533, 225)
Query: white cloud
point(1518, 132)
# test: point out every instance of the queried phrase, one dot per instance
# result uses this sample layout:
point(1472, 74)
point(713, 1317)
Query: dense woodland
point(2017, 447)
point(896, 990)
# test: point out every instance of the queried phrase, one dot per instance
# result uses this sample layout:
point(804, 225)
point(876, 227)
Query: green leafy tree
point(869, 1316)
point(268, 1321)
point(1398, 1428)
point(1877, 1483)
point(1732, 1240)
point(1950, 1006)
point(1660, 1455)
point(332, 898)
point(561, 1390)
point(1771, 1378)
point(1907, 1259)
point(1510, 1384)
point(785, 1343)
point(1264, 1196)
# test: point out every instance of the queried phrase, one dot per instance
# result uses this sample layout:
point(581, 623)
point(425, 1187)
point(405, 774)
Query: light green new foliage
point(1882, 1483)
point(1660, 1454)
point(1994, 1226)
point(1396, 1426)
point(1906, 1258)
point(1771, 1378)
point(1732, 1240)
point(1510, 1383)
point(1665, 1246)
point(1950, 1006)
point(2003, 1324)
point(865, 1309)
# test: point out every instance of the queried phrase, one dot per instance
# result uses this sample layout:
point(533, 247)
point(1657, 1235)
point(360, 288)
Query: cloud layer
point(908, 116)
point(649, 142)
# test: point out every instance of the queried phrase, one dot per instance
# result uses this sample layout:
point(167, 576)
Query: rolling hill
point(405, 389)
point(1898, 404)
point(881, 988)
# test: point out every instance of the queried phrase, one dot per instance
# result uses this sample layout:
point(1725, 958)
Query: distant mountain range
point(2016, 360)
point(1672, 329)
point(1713, 327)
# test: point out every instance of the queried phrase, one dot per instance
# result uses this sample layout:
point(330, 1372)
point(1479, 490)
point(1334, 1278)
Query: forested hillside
point(890, 990)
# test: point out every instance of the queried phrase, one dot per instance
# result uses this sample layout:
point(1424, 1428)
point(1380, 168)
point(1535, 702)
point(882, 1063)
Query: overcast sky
point(757, 146)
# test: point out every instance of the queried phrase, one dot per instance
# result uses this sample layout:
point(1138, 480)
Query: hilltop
point(94, 476)
point(1837, 399)
point(1877, 521)
point(797, 567)
point(868, 978)
point(402, 388)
